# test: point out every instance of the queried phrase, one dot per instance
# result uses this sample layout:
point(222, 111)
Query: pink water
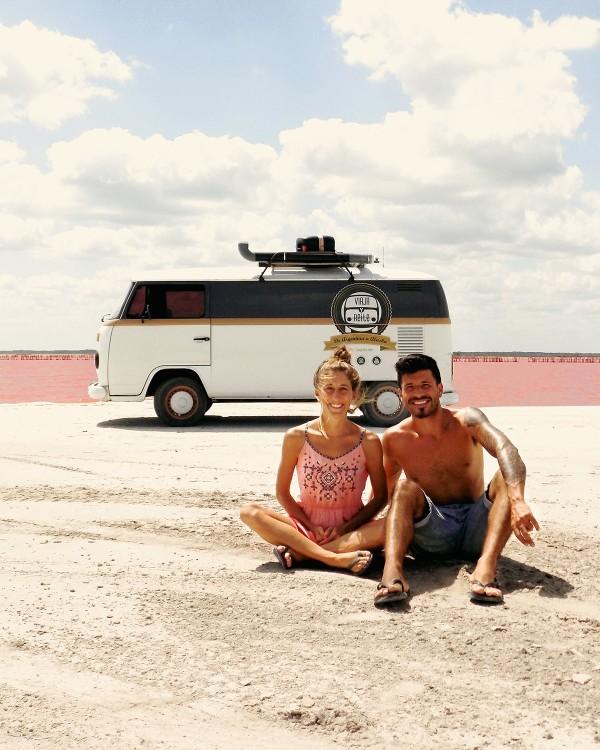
point(52, 378)
point(528, 381)
point(481, 381)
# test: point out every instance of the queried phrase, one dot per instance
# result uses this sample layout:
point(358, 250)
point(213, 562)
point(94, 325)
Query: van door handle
point(202, 338)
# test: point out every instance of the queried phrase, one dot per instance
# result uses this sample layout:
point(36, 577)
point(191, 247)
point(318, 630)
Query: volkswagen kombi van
point(190, 339)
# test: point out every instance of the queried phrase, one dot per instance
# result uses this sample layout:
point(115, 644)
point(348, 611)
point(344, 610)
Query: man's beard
point(424, 411)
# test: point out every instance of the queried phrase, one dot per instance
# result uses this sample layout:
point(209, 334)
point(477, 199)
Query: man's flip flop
point(280, 553)
point(482, 597)
point(392, 597)
point(359, 557)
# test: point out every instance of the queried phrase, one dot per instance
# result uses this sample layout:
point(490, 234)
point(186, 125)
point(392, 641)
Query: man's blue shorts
point(454, 530)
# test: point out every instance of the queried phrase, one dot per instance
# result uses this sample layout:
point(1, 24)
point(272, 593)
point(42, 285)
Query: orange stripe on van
point(317, 321)
point(158, 322)
point(260, 321)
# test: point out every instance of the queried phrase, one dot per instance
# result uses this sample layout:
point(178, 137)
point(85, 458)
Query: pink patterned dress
point(330, 488)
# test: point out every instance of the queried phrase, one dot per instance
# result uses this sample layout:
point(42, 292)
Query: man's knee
point(409, 497)
point(497, 487)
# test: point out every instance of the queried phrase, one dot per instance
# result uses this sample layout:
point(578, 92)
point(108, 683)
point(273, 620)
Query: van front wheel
point(383, 406)
point(180, 402)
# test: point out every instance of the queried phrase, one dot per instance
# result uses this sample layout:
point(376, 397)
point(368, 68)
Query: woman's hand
point(324, 536)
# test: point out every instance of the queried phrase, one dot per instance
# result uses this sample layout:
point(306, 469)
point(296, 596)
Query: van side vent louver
point(410, 340)
point(409, 286)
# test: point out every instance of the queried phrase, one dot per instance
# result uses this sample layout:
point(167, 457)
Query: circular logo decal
point(361, 308)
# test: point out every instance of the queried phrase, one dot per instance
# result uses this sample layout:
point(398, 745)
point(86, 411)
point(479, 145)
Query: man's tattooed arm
point(512, 468)
point(496, 444)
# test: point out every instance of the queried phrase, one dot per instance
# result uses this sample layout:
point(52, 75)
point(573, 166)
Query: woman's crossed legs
point(349, 551)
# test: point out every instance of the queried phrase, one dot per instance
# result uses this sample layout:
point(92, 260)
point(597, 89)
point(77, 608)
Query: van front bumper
point(98, 392)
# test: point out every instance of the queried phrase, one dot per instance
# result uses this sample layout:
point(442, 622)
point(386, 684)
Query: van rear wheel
point(384, 406)
point(180, 402)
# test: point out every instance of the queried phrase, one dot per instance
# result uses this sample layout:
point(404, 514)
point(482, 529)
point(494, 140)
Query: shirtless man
point(442, 508)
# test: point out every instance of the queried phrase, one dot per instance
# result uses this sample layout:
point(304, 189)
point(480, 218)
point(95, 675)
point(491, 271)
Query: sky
point(459, 139)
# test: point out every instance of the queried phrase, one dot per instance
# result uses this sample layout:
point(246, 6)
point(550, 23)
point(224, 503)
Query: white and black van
point(190, 339)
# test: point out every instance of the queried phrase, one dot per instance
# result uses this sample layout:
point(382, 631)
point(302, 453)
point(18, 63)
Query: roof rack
point(311, 252)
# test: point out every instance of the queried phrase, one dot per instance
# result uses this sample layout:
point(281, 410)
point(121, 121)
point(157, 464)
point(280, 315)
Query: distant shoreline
point(538, 357)
point(525, 354)
point(47, 351)
point(85, 354)
point(459, 356)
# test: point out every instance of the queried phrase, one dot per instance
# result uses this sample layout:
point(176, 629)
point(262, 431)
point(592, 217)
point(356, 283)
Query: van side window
point(185, 302)
point(168, 301)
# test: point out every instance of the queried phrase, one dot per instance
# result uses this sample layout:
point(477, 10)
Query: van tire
point(383, 406)
point(180, 402)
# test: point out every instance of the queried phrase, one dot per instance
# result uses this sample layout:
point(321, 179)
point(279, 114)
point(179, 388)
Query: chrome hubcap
point(388, 403)
point(181, 402)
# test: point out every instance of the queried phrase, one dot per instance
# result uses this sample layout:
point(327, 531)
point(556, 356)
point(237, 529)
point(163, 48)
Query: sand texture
point(138, 612)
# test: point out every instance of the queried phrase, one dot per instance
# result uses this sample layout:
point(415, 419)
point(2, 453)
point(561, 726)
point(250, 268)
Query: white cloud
point(10, 152)
point(437, 47)
point(21, 235)
point(489, 89)
point(28, 191)
point(47, 77)
point(567, 230)
point(56, 310)
point(119, 174)
point(470, 183)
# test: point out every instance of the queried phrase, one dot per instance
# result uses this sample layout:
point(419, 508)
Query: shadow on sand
point(517, 576)
point(430, 575)
point(216, 423)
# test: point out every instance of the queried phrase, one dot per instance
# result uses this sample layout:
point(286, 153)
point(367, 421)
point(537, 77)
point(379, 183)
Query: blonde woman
point(332, 457)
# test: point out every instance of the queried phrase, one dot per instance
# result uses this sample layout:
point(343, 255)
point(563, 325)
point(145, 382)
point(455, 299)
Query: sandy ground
point(137, 612)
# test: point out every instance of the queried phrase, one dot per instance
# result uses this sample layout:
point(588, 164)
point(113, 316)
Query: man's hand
point(523, 522)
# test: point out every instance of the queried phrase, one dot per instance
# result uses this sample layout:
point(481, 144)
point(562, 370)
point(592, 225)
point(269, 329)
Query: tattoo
point(472, 416)
point(497, 444)
point(511, 464)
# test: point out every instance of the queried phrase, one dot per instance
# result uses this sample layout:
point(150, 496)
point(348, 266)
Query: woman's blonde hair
point(340, 362)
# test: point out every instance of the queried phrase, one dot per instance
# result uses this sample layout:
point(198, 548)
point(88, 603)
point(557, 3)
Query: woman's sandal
point(360, 556)
point(283, 555)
